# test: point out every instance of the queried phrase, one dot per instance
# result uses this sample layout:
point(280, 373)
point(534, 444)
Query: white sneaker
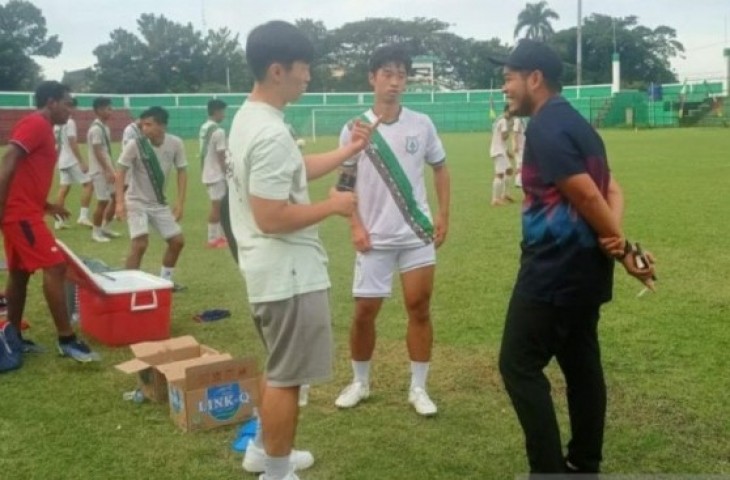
point(290, 476)
point(99, 238)
point(60, 224)
point(84, 222)
point(254, 460)
point(421, 402)
point(110, 233)
point(353, 394)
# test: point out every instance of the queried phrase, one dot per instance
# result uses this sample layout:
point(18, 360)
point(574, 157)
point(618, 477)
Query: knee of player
point(55, 273)
point(139, 244)
point(177, 242)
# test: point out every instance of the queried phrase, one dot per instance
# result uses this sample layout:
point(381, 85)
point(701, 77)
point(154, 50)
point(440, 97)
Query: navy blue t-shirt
point(561, 260)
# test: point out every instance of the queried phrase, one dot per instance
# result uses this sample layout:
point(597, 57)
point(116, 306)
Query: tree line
point(164, 56)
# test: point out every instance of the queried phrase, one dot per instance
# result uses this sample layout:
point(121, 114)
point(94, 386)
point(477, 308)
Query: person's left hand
point(441, 228)
point(56, 210)
point(613, 247)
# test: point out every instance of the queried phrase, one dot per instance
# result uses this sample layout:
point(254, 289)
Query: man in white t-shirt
point(213, 149)
point(393, 229)
point(518, 138)
point(500, 151)
point(149, 160)
point(131, 132)
point(72, 169)
point(274, 224)
point(101, 170)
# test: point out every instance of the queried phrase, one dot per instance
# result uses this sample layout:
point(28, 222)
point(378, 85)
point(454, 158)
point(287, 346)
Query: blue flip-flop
point(246, 433)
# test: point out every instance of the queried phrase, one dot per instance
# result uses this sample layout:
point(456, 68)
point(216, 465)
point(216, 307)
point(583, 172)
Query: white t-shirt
point(130, 133)
point(499, 145)
point(265, 162)
point(171, 153)
point(66, 157)
point(519, 130)
point(96, 136)
point(415, 142)
point(212, 171)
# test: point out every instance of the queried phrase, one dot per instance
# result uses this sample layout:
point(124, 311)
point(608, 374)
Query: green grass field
point(665, 355)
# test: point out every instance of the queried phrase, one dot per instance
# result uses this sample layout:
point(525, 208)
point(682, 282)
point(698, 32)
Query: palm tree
point(536, 19)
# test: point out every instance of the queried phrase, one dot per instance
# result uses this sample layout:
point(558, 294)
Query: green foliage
point(23, 34)
point(645, 53)
point(664, 354)
point(169, 57)
point(535, 20)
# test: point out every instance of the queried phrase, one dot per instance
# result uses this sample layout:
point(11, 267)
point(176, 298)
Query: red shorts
point(30, 246)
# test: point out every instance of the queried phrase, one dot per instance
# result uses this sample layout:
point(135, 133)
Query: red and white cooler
point(120, 307)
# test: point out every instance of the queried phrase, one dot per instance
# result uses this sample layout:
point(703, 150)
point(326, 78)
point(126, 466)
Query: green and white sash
point(205, 141)
point(105, 137)
point(149, 159)
point(390, 170)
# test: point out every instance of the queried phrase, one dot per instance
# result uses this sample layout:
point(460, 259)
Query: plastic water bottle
point(136, 396)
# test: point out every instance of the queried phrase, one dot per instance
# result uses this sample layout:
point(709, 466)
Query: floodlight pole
point(579, 50)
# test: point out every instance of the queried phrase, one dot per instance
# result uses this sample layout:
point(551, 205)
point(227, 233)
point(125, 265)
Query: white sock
point(166, 272)
point(258, 439)
point(361, 370)
point(497, 188)
point(419, 372)
point(212, 231)
point(84, 213)
point(277, 468)
point(518, 179)
point(97, 231)
point(219, 231)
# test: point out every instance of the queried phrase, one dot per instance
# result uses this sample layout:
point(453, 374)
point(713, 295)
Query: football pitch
point(665, 354)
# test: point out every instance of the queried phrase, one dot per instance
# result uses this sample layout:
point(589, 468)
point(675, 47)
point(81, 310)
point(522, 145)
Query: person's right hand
point(121, 211)
point(343, 203)
point(644, 275)
point(360, 238)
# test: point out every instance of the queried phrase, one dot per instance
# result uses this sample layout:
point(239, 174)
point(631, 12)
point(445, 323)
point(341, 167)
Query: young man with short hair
point(26, 176)
point(72, 169)
point(571, 221)
point(149, 159)
point(280, 255)
point(101, 170)
point(213, 150)
point(392, 229)
point(500, 153)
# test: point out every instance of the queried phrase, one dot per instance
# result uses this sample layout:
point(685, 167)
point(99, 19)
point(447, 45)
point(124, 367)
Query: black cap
point(532, 55)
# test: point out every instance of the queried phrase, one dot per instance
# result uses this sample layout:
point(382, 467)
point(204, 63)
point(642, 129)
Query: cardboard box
point(150, 356)
point(120, 307)
point(205, 396)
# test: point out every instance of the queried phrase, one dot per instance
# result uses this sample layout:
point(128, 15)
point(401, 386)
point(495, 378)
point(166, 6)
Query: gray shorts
point(297, 334)
point(103, 189)
point(73, 174)
point(139, 219)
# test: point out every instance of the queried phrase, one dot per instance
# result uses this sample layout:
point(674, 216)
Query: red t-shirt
point(34, 173)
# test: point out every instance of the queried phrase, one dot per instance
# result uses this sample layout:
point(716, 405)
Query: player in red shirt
point(26, 175)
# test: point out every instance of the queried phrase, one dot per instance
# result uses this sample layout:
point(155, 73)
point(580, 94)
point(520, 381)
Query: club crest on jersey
point(412, 144)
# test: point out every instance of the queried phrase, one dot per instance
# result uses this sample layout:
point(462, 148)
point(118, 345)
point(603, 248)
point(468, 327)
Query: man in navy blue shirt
point(571, 223)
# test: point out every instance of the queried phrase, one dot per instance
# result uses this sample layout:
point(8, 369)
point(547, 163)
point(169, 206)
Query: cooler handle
point(134, 307)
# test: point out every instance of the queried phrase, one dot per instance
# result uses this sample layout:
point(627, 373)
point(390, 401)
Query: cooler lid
point(77, 272)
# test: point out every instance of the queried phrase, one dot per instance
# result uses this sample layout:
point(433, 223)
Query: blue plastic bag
point(11, 347)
